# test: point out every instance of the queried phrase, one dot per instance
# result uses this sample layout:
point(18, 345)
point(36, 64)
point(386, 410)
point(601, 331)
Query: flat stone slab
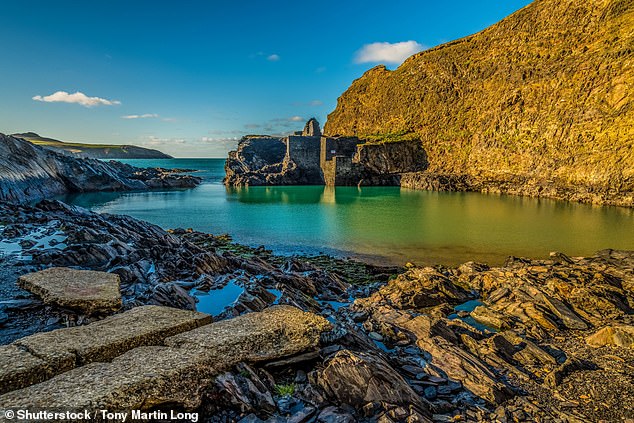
point(177, 374)
point(19, 368)
point(276, 332)
point(86, 291)
point(64, 349)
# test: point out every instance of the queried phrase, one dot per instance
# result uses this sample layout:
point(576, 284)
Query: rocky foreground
point(317, 339)
point(29, 172)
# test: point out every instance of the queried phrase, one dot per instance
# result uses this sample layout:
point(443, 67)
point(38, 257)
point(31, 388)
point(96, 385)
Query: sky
point(190, 78)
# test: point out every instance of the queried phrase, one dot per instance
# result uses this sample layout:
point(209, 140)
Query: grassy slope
point(99, 149)
point(547, 92)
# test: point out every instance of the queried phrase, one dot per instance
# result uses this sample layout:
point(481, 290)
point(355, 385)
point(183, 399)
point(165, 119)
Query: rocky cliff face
point(544, 96)
point(389, 158)
point(29, 172)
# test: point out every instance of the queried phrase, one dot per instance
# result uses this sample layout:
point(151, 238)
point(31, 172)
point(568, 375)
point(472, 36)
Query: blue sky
point(191, 77)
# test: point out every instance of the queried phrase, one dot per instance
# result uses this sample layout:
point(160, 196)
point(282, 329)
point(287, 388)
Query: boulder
point(19, 368)
point(81, 290)
point(490, 317)
point(242, 393)
point(334, 415)
point(358, 378)
point(421, 287)
point(614, 335)
point(281, 331)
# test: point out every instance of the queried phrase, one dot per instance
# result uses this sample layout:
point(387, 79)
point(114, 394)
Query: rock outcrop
point(391, 158)
point(359, 378)
point(30, 172)
point(255, 161)
point(538, 104)
point(618, 335)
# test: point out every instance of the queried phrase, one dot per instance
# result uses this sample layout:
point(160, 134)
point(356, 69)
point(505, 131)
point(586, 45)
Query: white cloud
point(227, 140)
point(144, 116)
point(273, 58)
point(296, 119)
point(78, 98)
point(316, 103)
point(152, 140)
point(394, 53)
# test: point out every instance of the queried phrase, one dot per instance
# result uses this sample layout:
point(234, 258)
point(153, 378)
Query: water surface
point(388, 223)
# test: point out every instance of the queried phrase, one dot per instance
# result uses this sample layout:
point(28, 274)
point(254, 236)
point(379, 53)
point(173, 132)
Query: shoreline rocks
point(474, 342)
point(29, 172)
point(552, 188)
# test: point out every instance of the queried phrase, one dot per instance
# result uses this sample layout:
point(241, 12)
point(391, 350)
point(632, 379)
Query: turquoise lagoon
point(382, 224)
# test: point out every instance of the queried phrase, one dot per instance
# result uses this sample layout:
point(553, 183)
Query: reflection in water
point(278, 194)
point(388, 222)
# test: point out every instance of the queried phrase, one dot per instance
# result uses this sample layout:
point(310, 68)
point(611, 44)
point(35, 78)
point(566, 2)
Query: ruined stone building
point(310, 158)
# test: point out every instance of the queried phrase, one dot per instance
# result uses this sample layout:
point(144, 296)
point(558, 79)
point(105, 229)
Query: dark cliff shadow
point(89, 200)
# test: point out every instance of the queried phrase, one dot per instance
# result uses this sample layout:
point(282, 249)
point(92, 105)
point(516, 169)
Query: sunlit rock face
point(537, 104)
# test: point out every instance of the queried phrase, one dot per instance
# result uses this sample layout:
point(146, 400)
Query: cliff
point(29, 172)
point(94, 151)
point(538, 104)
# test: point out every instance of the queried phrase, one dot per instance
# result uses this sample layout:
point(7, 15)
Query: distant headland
point(93, 151)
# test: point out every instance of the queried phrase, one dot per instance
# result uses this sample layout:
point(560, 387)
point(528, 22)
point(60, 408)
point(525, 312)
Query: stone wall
point(328, 170)
point(348, 161)
point(313, 160)
point(336, 161)
point(331, 147)
point(304, 151)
